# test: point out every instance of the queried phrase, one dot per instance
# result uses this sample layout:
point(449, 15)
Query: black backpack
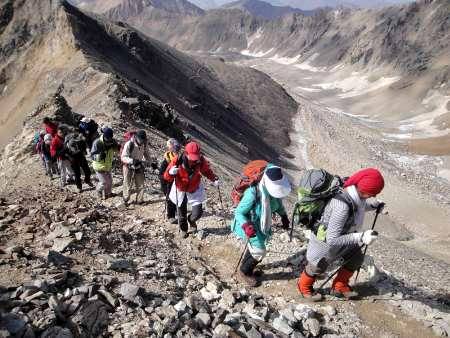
point(317, 187)
point(74, 144)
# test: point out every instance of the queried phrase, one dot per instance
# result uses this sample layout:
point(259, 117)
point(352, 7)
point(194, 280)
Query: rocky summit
point(337, 88)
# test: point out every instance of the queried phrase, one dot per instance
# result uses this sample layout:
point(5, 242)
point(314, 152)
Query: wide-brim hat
point(276, 183)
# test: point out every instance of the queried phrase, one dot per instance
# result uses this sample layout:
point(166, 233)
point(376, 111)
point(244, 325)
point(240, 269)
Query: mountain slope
point(95, 64)
point(262, 9)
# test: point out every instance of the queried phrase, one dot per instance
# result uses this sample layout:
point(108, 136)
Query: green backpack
point(317, 187)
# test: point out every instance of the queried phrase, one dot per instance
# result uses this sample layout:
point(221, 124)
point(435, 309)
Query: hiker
point(49, 161)
point(49, 126)
point(37, 142)
point(337, 239)
point(75, 150)
point(186, 171)
point(173, 148)
point(57, 152)
point(89, 129)
point(253, 218)
point(135, 156)
point(102, 153)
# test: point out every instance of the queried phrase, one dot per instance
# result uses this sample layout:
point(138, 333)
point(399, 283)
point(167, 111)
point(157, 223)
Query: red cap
point(369, 181)
point(193, 151)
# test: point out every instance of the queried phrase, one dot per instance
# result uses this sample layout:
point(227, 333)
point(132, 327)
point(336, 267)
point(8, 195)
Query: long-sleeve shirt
point(133, 151)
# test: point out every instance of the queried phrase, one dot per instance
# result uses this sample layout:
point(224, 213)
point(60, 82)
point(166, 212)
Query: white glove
point(368, 236)
point(216, 183)
point(173, 171)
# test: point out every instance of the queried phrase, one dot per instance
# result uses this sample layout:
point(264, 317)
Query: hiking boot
point(184, 234)
point(249, 280)
point(100, 194)
point(340, 287)
point(305, 287)
point(173, 220)
point(347, 294)
point(192, 225)
point(90, 184)
point(79, 190)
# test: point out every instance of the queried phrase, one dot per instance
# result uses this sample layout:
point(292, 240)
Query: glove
point(154, 165)
point(249, 229)
point(173, 171)
point(136, 163)
point(368, 236)
point(285, 222)
point(379, 205)
point(216, 183)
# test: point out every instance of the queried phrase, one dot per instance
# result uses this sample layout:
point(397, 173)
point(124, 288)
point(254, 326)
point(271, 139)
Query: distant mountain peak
point(263, 9)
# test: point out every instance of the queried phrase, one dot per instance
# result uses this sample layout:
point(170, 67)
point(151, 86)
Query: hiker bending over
point(135, 156)
point(173, 148)
point(253, 217)
point(335, 237)
point(75, 150)
point(102, 154)
point(187, 170)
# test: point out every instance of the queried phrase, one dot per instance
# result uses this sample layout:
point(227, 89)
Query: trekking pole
point(242, 256)
point(176, 199)
point(373, 227)
point(292, 222)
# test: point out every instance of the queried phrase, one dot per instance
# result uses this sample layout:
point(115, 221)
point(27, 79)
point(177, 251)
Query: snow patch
point(260, 54)
point(311, 90)
point(252, 38)
point(357, 85)
point(285, 60)
point(306, 65)
point(422, 124)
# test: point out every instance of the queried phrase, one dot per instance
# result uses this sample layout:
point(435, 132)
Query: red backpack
point(251, 175)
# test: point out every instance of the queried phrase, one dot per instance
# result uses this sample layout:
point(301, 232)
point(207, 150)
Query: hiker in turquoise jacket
point(253, 218)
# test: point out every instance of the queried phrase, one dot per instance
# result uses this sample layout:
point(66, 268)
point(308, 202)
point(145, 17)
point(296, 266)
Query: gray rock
point(313, 326)
point(91, 319)
point(253, 333)
point(15, 324)
point(439, 331)
point(222, 331)
point(113, 301)
point(227, 299)
point(120, 264)
point(208, 295)
point(330, 310)
point(181, 306)
point(282, 325)
point(60, 231)
point(202, 234)
point(130, 291)
point(61, 244)
point(57, 332)
point(203, 319)
point(288, 314)
point(303, 312)
point(57, 258)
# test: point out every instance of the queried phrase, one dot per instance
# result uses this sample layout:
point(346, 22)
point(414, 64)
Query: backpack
point(126, 137)
point(250, 176)
point(317, 188)
point(74, 144)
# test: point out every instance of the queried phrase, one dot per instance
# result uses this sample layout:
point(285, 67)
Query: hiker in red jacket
point(186, 170)
point(49, 126)
point(57, 151)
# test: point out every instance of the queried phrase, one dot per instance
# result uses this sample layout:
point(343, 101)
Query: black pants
point(79, 162)
point(248, 264)
point(194, 216)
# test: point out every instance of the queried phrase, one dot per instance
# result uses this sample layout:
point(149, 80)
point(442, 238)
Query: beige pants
point(131, 177)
